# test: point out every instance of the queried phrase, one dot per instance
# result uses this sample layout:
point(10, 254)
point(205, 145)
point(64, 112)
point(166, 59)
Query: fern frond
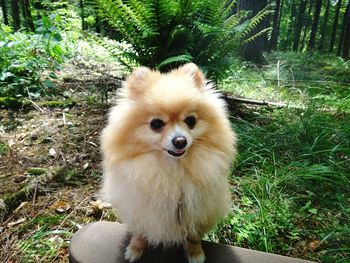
point(110, 11)
point(165, 33)
point(211, 12)
point(164, 11)
point(122, 52)
point(260, 33)
point(234, 20)
point(132, 15)
point(180, 40)
point(188, 9)
point(140, 10)
point(229, 5)
point(257, 19)
point(208, 30)
point(179, 59)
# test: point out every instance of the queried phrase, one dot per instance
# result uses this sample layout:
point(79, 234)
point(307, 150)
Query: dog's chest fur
point(165, 201)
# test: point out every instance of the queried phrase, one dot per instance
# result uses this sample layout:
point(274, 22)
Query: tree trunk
point(306, 29)
point(279, 23)
point(15, 15)
point(312, 41)
point(27, 15)
point(290, 33)
point(324, 26)
point(252, 51)
point(82, 15)
point(341, 39)
point(280, 16)
point(275, 26)
point(4, 12)
point(97, 24)
point(346, 45)
point(300, 21)
point(335, 27)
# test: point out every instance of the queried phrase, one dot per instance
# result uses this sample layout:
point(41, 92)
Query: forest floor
point(50, 170)
point(50, 165)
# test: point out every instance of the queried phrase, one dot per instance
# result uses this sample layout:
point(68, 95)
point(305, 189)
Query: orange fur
point(142, 178)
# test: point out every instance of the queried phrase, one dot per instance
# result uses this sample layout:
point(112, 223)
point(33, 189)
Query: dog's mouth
point(177, 153)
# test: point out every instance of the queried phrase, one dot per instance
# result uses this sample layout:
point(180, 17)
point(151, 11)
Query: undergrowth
point(291, 185)
point(45, 244)
point(295, 78)
point(26, 56)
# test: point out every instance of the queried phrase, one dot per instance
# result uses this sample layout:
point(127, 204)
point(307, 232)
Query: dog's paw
point(198, 258)
point(132, 255)
point(195, 253)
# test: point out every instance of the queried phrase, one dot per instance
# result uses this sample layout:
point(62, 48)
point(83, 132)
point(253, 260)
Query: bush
point(163, 34)
point(25, 56)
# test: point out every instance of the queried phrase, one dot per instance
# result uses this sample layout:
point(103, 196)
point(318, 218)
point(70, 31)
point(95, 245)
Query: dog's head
point(171, 113)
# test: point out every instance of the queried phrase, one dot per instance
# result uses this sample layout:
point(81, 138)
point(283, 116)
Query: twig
point(78, 206)
point(35, 191)
point(64, 119)
point(29, 96)
point(92, 143)
point(293, 79)
point(230, 99)
point(12, 201)
point(297, 80)
point(36, 106)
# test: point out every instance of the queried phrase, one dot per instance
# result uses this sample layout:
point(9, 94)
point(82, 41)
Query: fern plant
point(163, 34)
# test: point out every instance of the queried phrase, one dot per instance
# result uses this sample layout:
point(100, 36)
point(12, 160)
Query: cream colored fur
point(142, 182)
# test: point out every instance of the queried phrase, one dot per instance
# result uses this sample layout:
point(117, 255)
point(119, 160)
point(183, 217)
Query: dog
point(167, 151)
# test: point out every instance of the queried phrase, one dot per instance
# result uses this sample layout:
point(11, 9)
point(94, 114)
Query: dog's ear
point(137, 81)
point(196, 74)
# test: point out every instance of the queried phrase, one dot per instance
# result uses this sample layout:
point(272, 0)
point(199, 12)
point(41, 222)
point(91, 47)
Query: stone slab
point(105, 242)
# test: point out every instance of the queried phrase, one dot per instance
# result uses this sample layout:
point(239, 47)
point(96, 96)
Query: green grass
point(291, 185)
point(295, 78)
point(3, 148)
point(291, 180)
point(45, 242)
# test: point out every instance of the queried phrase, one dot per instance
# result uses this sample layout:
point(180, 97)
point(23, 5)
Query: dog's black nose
point(180, 142)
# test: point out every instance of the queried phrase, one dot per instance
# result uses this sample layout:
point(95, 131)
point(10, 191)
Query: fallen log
point(232, 100)
point(30, 190)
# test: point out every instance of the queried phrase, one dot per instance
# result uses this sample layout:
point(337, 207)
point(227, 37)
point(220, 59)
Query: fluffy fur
point(161, 196)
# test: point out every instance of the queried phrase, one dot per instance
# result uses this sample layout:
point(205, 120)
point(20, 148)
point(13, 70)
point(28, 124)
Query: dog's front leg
point(135, 248)
point(194, 250)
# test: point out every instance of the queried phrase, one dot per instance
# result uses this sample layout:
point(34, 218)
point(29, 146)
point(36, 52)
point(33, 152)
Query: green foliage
point(3, 149)
point(291, 180)
point(292, 173)
point(44, 244)
point(164, 34)
point(255, 21)
point(294, 78)
point(25, 57)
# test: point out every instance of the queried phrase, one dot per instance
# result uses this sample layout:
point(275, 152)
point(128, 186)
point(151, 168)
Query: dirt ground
point(50, 172)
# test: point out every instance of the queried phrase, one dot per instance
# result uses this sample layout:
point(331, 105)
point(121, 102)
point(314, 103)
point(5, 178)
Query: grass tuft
point(291, 185)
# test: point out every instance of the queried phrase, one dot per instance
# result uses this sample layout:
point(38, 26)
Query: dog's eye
point(190, 121)
point(157, 124)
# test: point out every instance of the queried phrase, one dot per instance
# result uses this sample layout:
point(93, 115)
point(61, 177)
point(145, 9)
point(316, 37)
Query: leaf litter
point(37, 142)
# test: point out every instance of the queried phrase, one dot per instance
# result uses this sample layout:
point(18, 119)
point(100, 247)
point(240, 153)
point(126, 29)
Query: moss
point(36, 170)
point(57, 103)
point(13, 200)
point(11, 103)
point(3, 148)
point(69, 177)
point(339, 74)
point(16, 104)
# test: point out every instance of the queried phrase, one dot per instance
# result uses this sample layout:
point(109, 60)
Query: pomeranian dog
point(167, 151)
